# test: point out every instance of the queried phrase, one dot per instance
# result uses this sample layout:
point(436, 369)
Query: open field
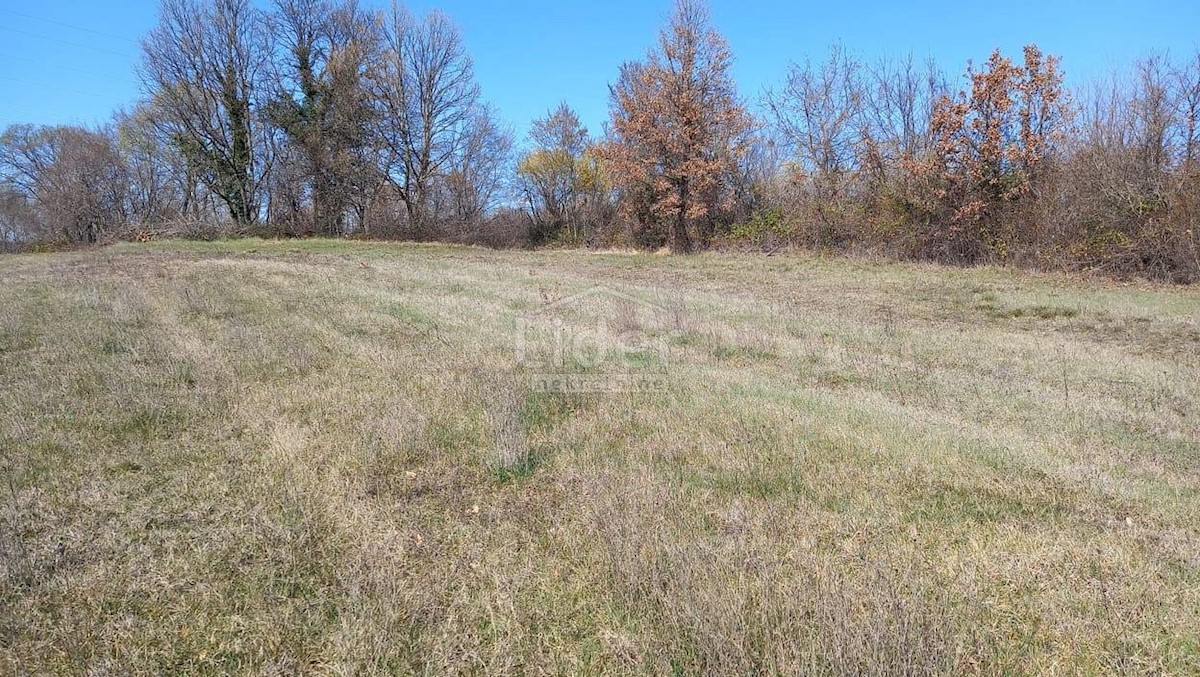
point(325, 456)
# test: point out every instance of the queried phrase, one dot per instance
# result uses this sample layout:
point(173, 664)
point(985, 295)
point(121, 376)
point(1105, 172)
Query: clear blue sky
point(71, 61)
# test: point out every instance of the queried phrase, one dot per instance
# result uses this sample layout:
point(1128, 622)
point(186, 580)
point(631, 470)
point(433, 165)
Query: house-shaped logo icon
point(599, 338)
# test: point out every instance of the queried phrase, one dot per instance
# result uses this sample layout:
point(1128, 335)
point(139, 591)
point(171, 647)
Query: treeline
point(321, 117)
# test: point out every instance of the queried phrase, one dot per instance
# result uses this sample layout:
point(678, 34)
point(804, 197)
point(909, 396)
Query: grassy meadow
point(331, 457)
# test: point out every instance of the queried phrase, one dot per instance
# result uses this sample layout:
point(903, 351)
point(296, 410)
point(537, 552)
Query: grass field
point(284, 457)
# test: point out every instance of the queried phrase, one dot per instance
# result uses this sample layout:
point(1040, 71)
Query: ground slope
point(280, 457)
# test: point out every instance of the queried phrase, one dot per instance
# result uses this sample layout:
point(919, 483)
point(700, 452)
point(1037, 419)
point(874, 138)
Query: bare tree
point(898, 103)
point(818, 112)
point(551, 173)
point(26, 152)
point(323, 105)
point(425, 88)
point(478, 171)
point(18, 223)
point(818, 115)
point(73, 177)
point(203, 67)
point(162, 188)
point(1134, 189)
point(1187, 79)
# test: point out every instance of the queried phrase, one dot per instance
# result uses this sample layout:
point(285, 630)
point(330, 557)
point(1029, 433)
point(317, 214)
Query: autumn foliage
point(992, 150)
point(678, 134)
point(1013, 169)
point(561, 181)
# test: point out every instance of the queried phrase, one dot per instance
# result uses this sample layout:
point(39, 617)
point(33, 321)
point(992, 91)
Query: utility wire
point(52, 88)
point(68, 69)
point(10, 107)
point(65, 42)
point(68, 25)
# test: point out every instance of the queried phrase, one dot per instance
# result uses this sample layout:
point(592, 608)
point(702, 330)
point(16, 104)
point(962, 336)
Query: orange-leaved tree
point(678, 132)
point(992, 148)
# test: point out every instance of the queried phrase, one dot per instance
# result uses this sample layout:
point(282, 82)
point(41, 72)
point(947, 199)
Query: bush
point(766, 229)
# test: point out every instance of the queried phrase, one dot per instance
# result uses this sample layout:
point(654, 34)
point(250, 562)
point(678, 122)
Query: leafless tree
point(162, 189)
point(323, 106)
point(1134, 190)
point(552, 176)
point(26, 152)
point(19, 224)
point(478, 171)
point(428, 99)
point(898, 102)
point(203, 67)
point(73, 177)
point(818, 115)
point(817, 112)
point(1187, 80)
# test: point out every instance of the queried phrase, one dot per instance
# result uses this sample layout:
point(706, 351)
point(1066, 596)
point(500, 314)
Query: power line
point(65, 42)
point(52, 88)
point(68, 69)
point(68, 25)
point(10, 107)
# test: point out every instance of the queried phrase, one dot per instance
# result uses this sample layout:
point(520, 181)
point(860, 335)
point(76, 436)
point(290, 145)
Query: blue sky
point(72, 61)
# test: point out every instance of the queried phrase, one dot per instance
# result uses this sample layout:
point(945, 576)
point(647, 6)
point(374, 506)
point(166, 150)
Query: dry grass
point(326, 457)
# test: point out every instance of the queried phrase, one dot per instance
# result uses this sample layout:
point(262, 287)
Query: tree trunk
point(678, 240)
